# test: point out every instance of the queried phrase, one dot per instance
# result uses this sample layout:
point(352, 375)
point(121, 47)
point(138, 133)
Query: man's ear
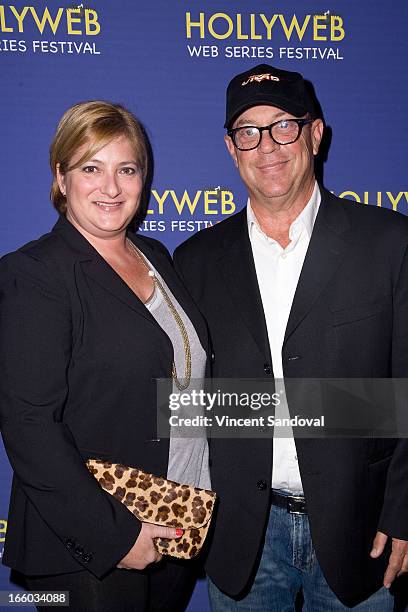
point(317, 135)
point(61, 180)
point(231, 149)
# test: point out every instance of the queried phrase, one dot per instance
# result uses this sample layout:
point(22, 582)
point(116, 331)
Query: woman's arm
point(35, 352)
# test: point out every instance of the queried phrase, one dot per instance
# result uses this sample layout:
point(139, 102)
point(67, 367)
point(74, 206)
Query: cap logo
point(261, 77)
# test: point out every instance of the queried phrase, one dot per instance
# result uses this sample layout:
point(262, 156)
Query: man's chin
point(274, 193)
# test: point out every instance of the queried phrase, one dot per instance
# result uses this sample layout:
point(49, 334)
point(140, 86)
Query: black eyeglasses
point(283, 132)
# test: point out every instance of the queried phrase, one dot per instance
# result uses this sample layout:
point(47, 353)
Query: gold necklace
point(183, 332)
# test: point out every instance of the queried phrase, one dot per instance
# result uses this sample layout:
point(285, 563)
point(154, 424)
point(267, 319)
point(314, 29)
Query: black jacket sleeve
point(393, 517)
point(35, 354)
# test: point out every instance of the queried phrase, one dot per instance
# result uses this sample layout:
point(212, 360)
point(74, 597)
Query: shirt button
point(283, 255)
point(261, 484)
point(296, 458)
point(267, 369)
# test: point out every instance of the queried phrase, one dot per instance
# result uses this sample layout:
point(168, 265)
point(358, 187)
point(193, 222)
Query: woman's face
point(103, 193)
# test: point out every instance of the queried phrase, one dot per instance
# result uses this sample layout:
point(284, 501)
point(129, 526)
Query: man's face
point(276, 171)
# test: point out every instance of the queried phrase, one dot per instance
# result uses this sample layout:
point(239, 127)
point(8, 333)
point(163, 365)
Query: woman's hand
point(143, 551)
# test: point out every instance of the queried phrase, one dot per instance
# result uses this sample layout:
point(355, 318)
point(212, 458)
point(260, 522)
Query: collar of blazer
point(328, 245)
point(95, 266)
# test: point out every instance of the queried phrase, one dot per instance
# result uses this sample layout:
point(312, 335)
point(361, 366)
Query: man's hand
point(143, 551)
point(398, 561)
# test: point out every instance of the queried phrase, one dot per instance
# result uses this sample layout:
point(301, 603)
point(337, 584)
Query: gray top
point(188, 457)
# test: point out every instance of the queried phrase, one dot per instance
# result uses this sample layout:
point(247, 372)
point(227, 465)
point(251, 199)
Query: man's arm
point(393, 521)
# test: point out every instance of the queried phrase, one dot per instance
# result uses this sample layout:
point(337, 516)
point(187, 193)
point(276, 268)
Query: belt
point(294, 504)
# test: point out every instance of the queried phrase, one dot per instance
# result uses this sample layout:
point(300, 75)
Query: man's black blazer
point(349, 318)
point(79, 355)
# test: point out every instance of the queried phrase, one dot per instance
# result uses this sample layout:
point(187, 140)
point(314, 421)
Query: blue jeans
point(289, 564)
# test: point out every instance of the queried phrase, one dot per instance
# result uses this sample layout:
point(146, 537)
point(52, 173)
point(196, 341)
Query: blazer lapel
point(101, 272)
point(94, 266)
point(325, 254)
point(239, 274)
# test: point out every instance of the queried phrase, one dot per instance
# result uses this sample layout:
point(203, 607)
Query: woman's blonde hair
point(95, 124)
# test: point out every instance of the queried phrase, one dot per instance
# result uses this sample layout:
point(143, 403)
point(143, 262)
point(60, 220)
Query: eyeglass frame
point(300, 122)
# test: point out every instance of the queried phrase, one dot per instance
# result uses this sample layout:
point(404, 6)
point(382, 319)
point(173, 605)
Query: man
point(301, 284)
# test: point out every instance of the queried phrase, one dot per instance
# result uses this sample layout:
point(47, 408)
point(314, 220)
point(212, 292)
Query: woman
point(91, 315)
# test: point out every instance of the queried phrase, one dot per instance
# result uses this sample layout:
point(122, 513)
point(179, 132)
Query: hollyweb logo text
point(71, 22)
point(320, 32)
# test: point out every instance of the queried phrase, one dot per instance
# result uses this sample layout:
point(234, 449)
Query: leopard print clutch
point(156, 500)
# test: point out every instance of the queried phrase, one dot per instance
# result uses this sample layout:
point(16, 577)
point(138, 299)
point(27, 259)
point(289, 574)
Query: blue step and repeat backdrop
point(169, 62)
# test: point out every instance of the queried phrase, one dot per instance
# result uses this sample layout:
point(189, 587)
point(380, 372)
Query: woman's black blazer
point(79, 359)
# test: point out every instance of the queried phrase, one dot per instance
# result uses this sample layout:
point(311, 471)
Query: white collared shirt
point(278, 272)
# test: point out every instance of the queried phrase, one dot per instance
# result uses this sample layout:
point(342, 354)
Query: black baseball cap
point(265, 84)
